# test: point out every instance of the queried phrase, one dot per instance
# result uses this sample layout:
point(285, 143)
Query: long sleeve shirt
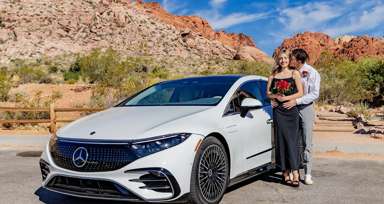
point(311, 83)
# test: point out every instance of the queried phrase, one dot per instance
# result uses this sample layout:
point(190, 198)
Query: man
point(311, 84)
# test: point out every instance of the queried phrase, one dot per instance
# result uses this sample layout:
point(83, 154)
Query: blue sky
point(269, 22)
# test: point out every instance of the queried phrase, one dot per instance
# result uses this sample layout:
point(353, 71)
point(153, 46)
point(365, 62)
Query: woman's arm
point(299, 85)
point(269, 93)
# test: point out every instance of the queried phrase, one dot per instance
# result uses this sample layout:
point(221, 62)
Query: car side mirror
point(249, 104)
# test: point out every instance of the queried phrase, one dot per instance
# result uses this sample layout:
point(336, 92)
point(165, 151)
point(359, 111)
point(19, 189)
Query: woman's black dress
point(286, 123)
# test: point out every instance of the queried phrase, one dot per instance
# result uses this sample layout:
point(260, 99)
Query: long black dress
point(286, 123)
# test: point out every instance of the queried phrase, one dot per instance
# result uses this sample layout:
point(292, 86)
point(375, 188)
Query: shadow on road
point(50, 197)
point(267, 177)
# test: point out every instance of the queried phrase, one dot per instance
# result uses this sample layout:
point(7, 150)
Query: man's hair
point(300, 55)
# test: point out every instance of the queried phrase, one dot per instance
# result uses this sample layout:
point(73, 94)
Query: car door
point(256, 128)
point(233, 126)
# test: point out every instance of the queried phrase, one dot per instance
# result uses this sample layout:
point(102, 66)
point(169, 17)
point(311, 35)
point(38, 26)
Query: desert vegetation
point(114, 77)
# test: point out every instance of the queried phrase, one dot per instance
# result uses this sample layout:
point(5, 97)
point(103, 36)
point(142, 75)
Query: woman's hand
point(281, 98)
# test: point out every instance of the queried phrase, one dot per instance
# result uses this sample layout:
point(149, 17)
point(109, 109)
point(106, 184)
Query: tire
point(210, 173)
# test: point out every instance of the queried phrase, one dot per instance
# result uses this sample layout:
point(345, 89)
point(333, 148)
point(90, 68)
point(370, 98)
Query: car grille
point(44, 168)
point(101, 157)
point(90, 188)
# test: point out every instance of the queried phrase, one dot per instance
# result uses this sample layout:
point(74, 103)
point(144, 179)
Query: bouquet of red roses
point(282, 87)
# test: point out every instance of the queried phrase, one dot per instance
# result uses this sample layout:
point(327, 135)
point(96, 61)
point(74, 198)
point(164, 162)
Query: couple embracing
point(293, 87)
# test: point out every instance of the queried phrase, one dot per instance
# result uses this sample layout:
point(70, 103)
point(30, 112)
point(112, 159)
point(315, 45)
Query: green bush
point(346, 81)
point(30, 73)
point(5, 85)
point(115, 77)
point(372, 74)
point(71, 77)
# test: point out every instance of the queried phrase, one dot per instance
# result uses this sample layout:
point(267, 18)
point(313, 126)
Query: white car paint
point(245, 136)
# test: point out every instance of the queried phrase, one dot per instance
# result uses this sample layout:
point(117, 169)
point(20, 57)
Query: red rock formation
point(197, 25)
point(351, 48)
point(313, 43)
point(362, 46)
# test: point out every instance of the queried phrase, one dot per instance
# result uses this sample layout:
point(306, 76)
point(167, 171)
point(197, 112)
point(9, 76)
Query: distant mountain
point(32, 29)
point(348, 47)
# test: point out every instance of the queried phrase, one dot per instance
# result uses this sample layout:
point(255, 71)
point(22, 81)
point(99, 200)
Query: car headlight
point(156, 144)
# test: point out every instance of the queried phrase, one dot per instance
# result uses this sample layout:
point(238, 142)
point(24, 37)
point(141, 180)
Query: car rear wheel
point(210, 172)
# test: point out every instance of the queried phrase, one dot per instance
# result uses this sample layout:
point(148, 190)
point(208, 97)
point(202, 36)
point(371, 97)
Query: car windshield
point(204, 91)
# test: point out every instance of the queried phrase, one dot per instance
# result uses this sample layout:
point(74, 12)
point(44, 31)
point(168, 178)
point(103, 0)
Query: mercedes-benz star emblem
point(80, 157)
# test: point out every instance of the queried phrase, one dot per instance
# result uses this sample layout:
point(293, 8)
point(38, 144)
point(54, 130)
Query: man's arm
point(314, 89)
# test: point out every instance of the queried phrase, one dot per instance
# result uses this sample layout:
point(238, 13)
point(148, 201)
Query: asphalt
point(336, 181)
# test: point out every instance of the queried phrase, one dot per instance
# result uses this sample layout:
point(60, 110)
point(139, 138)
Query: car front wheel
point(210, 172)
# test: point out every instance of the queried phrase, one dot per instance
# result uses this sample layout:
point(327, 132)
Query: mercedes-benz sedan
point(186, 139)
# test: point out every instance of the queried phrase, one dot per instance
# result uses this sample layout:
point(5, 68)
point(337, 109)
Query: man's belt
point(302, 106)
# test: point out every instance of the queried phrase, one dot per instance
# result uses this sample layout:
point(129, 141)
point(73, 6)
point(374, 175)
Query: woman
point(283, 85)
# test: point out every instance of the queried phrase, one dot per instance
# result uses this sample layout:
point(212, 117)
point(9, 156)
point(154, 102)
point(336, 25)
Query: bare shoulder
point(270, 77)
point(296, 74)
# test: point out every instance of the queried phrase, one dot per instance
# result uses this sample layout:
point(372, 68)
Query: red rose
point(304, 74)
point(283, 85)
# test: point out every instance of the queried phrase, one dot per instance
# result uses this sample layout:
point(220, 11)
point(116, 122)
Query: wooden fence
point(52, 110)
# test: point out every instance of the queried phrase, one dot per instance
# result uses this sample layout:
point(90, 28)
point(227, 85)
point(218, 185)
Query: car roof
point(212, 78)
point(216, 78)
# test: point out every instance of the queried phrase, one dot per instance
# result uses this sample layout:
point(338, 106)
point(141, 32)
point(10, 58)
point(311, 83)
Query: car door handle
point(231, 129)
point(269, 121)
point(231, 126)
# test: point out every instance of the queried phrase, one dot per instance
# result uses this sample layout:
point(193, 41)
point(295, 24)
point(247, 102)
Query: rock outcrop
point(32, 29)
point(349, 47)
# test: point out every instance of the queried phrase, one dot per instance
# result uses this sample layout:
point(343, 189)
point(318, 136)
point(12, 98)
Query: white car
point(186, 139)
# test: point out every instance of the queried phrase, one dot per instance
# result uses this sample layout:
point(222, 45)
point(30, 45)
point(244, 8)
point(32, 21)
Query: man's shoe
point(308, 180)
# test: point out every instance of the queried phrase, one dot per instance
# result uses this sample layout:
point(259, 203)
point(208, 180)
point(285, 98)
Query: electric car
point(186, 139)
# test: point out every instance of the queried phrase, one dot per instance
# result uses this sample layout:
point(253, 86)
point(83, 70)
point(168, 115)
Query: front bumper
point(163, 176)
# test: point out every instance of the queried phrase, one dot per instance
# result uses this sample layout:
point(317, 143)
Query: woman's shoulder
point(296, 73)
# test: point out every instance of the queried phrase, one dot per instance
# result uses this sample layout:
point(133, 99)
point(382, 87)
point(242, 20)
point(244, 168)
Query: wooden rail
point(52, 110)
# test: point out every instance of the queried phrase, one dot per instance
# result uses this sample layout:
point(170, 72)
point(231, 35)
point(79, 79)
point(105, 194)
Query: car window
point(263, 92)
point(253, 89)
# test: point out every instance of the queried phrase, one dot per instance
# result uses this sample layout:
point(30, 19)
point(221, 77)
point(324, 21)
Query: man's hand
point(281, 98)
point(289, 104)
point(274, 104)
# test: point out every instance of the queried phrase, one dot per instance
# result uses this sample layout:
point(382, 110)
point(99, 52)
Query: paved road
point(337, 181)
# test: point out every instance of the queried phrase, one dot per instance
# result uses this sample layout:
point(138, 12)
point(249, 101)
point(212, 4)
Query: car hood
point(127, 123)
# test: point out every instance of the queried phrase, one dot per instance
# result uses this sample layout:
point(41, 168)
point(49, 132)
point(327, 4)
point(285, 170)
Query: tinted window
point(199, 91)
point(252, 90)
point(249, 89)
point(263, 92)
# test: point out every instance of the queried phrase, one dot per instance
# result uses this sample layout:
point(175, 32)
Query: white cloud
point(221, 22)
point(307, 17)
point(217, 3)
point(172, 6)
point(364, 21)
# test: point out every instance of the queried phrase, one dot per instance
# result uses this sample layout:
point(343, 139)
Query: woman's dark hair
point(300, 55)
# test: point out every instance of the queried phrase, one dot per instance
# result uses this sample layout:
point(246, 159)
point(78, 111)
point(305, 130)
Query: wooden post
point(52, 117)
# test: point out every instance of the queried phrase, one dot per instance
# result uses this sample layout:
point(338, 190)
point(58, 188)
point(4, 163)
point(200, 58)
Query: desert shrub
point(30, 73)
point(360, 109)
point(53, 69)
point(348, 81)
point(116, 77)
point(372, 79)
point(35, 101)
point(5, 85)
point(71, 77)
point(252, 68)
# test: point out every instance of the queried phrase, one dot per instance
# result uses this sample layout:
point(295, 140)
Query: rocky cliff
point(348, 47)
point(31, 29)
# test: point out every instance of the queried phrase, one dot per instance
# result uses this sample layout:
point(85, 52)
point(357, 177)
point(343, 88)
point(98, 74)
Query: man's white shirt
point(311, 83)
